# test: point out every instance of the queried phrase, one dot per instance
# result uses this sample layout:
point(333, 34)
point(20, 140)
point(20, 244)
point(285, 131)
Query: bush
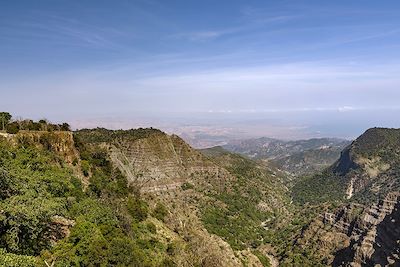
point(187, 186)
point(263, 259)
point(12, 128)
point(13, 260)
point(137, 208)
point(85, 167)
point(160, 212)
point(151, 227)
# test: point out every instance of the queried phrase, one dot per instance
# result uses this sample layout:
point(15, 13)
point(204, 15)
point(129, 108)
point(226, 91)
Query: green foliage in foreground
point(109, 222)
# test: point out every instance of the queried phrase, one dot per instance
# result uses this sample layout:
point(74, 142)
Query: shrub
point(187, 186)
point(12, 128)
point(160, 212)
point(13, 260)
point(85, 167)
point(137, 208)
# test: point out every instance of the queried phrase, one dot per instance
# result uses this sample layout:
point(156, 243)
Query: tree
point(44, 123)
point(5, 118)
point(65, 127)
point(12, 128)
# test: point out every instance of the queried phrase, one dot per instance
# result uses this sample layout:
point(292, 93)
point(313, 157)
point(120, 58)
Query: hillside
point(144, 198)
point(361, 228)
point(300, 157)
point(139, 192)
point(199, 187)
point(307, 162)
point(366, 171)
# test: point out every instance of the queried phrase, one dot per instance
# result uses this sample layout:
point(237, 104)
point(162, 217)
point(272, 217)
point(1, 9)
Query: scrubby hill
point(50, 216)
point(257, 198)
point(361, 228)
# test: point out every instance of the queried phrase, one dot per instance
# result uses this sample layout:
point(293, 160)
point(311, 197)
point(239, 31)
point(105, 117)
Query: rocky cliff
point(59, 142)
point(167, 170)
point(364, 230)
point(357, 235)
point(370, 164)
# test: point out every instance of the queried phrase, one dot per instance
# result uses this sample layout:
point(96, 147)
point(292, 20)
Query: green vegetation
point(263, 259)
point(13, 260)
point(14, 126)
point(47, 216)
point(101, 135)
point(5, 118)
point(187, 186)
point(323, 187)
point(235, 214)
point(160, 212)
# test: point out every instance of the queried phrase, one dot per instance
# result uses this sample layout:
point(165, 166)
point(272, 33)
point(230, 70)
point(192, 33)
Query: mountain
point(142, 197)
point(361, 228)
point(367, 170)
point(133, 198)
point(210, 191)
point(308, 162)
point(301, 157)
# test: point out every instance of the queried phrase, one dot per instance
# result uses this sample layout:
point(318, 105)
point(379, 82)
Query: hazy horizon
point(230, 69)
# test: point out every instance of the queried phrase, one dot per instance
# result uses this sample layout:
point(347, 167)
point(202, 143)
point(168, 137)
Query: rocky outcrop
point(357, 235)
point(374, 236)
point(59, 228)
point(59, 142)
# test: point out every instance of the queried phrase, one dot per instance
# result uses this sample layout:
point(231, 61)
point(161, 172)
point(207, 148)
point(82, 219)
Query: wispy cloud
point(245, 26)
point(60, 31)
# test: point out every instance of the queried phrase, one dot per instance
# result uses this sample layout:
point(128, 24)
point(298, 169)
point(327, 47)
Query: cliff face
point(365, 230)
point(166, 169)
point(370, 163)
point(357, 235)
point(161, 162)
point(59, 142)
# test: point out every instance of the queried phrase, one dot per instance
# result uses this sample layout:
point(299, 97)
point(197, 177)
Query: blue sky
point(325, 67)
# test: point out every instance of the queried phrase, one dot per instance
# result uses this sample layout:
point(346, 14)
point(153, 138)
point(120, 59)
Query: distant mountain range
point(300, 157)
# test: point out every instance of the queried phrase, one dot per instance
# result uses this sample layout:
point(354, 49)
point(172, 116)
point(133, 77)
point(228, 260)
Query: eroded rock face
point(60, 142)
point(371, 163)
point(162, 162)
point(358, 235)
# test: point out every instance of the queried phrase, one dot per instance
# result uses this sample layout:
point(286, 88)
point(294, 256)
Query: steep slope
point(258, 192)
point(367, 170)
point(301, 157)
point(47, 218)
point(144, 198)
point(236, 202)
point(361, 229)
point(154, 160)
point(309, 161)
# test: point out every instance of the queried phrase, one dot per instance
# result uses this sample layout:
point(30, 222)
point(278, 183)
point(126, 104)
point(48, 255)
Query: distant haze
point(225, 69)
